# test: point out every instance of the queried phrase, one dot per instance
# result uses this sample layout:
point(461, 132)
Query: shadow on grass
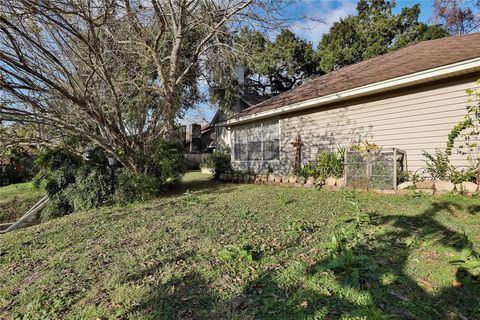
point(202, 185)
point(192, 297)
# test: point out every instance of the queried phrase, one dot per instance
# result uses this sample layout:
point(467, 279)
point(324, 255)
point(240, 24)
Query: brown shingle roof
point(415, 58)
point(252, 99)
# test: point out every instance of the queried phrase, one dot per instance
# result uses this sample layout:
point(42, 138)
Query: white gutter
point(446, 71)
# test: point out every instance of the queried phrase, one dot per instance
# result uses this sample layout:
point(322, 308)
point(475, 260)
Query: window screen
point(258, 141)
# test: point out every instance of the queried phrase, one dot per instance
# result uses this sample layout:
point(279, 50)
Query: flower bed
point(335, 184)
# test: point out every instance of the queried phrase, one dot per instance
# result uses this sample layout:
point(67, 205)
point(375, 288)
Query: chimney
point(195, 130)
point(195, 137)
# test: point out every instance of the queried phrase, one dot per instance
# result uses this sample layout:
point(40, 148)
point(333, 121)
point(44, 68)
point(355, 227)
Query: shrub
point(438, 165)
point(220, 162)
point(131, 187)
point(93, 187)
point(168, 164)
point(327, 164)
point(403, 176)
point(72, 183)
point(458, 176)
point(58, 205)
point(57, 169)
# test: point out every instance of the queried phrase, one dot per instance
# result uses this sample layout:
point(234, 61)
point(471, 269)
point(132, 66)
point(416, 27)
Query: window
point(259, 141)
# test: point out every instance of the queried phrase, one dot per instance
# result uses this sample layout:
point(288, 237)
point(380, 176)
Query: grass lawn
point(16, 199)
point(224, 251)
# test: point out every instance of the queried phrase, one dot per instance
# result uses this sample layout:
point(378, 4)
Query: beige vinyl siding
point(223, 136)
point(413, 120)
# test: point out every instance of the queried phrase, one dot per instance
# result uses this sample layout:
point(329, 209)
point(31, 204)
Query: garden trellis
point(375, 168)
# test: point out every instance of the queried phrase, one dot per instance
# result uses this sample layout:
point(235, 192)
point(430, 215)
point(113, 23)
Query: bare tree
point(114, 73)
point(457, 16)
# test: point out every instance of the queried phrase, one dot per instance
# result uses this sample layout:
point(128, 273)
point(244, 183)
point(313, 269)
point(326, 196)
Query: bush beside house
point(218, 163)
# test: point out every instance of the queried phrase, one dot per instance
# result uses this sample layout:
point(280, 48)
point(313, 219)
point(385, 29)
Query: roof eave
point(443, 72)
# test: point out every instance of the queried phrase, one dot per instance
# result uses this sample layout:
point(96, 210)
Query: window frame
point(262, 141)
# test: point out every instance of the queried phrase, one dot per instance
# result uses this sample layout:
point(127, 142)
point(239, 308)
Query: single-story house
point(408, 99)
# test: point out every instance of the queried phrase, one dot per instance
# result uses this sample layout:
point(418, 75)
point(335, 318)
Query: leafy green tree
point(269, 66)
point(375, 30)
point(280, 65)
point(273, 67)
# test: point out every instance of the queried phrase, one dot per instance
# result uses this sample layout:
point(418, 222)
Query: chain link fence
point(375, 169)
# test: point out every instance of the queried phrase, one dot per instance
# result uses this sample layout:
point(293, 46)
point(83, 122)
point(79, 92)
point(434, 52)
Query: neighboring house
point(208, 137)
point(17, 168)
point(200, 140)
point(203, 139)
point(408, 99)
point(196, 139)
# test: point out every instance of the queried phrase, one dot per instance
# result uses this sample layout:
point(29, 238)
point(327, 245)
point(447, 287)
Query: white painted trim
point(442, 72)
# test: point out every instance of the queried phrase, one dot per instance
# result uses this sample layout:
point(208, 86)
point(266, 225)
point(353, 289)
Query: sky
point(321, 14)
point(330, 11)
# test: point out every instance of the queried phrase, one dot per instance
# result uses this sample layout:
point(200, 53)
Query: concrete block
point(405, 185)
point(389, 191)
point(444, 186)
point(340, 182)
point(469, 187)
point(425, 185)
point(330, 181)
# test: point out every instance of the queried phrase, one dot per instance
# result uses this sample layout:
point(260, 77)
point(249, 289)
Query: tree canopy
point(267, 67)
point(375, 30)
point(273, 66)
point(114, 74)
point(277, 66)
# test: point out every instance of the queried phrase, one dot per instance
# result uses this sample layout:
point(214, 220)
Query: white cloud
point(320, 16)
